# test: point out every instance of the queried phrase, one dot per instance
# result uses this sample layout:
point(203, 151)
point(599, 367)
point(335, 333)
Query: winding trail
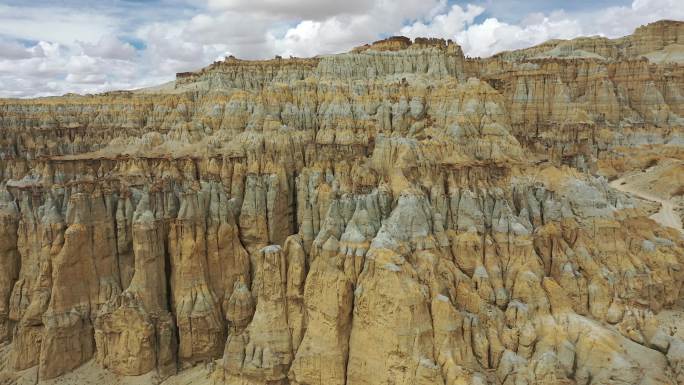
point(666, 216)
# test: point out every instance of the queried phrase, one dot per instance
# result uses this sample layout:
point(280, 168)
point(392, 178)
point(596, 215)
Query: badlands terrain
point(397, 214)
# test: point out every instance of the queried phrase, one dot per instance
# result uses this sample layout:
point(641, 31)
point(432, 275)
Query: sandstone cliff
point(397, 214)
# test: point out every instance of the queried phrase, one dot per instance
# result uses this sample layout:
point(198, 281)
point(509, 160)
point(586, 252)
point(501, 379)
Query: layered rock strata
point(398, 214)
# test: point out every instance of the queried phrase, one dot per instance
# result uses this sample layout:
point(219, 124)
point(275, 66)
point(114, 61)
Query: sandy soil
point(91, 374)
point(656, 184)
point(672, 320)
point(666, 216)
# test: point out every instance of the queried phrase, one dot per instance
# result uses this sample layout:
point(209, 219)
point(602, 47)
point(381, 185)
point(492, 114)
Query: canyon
point(396, 214)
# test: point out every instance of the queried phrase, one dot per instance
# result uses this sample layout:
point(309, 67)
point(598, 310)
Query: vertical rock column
point(41, 238)
point(253, 221)
point(322, 356)
point(263, 351)
point(391, 320)
point(9, 259)
point(124, 242)
point(68, 336)
point(392, 316)
point(227, 259)
point(198, 314)
point(135, 333)
point(267, 215)
point(85, 276)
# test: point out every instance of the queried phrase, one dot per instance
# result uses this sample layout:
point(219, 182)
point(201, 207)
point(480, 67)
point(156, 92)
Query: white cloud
point(13, 50)
point(620, 21)
point(51, 68)
point(492, 36)
point(47, 50)
point(109, 47)
point(342, 32)
point(55, 24)
point(298, 9)
point(444, 24)
point(86, 78)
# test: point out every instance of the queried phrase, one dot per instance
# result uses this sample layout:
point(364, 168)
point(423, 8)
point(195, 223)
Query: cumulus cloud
point(342, 32)
point(51, 68)
point(56, 24)
point(109, 47)
point(620, 21)
point(82, 46)
point(492, 36)
point(444, 24)
point(13, 50)
point(297, 9)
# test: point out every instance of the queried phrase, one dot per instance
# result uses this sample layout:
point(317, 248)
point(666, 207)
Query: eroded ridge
point(397, 214)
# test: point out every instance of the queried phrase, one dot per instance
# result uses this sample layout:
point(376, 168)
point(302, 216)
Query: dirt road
point(666, 216)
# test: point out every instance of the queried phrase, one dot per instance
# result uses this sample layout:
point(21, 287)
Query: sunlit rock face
point(397, 214)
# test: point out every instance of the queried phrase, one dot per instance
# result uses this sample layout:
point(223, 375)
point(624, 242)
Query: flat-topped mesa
point(392, 56)
point(248, 74)
point(616, 93)
point(393, 214)
point(653, 37)
point(648, 40)
point(394, 43)
point(425, 42)
point(594, 47)
point(396, 56)
point(400, 43)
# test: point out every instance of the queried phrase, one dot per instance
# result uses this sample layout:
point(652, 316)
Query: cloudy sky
point(51, 47)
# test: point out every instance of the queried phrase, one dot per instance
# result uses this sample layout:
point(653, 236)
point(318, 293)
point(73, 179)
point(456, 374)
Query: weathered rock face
point(646, 41)
point(398, 214)
point(9, 259)
point(135, 333)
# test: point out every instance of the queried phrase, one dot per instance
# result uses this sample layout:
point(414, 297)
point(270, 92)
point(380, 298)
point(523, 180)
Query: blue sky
point(50, 47)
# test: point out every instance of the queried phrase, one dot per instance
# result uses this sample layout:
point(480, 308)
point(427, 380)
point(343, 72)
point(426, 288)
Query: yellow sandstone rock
point(397, 214)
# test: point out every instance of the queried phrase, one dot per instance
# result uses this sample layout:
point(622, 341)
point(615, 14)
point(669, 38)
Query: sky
point(53, 47)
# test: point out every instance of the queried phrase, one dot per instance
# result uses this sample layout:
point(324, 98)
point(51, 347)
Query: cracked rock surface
point(397, 214)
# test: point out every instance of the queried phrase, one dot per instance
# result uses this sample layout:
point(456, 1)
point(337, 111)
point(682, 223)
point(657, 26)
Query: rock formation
point(397, 214)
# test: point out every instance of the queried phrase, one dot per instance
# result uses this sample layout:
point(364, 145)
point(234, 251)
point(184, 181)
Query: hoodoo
point(397, 214)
